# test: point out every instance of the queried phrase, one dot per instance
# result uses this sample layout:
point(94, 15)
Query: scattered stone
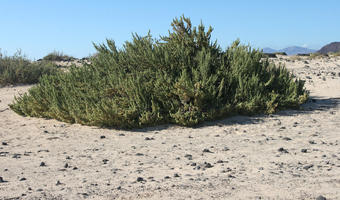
point(2, 180)
point(320, 198)
point(42, 164)
point(147, 138)
point(304, 150)
point(102, 137)
point(139, 154)
point(45, 131)
point(188, 156)
point(282, 150)
point(140, 179)
point(207, 151)
point(167, 177)
point(75, 168)
point(121, 134)
point(23, 179)
point(226, 149)
point(40, 190)
point(58, 183)
point(16, 155)
point(208, 165)
point(105, 161)
point(307, 167)
point(312, 142)
point(286, 138)
point(4, 143)
point(176, 175)
point(66, 165)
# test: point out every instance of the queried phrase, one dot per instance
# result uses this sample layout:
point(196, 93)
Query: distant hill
point(269, 50)
point(293, 50)
point(331, 47)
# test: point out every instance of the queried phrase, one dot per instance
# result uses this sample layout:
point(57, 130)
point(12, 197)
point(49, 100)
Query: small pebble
point(307, 167)
point(4, 143)
point(102, 137)
point(2, 180)
point(207, 151)
point(42, 164)
point(22, 179)
point(140, 179)
point(282, 150)
point(321, 198)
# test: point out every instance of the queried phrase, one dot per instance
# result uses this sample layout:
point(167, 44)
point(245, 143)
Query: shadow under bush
point(182, 78)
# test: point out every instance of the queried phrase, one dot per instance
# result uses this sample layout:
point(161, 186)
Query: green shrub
point(19, 70)
point(58, 56)
point(182, 78)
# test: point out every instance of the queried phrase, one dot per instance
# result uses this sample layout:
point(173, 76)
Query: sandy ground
point(288, 155)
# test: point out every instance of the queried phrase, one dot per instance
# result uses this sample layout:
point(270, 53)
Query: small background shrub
point(17, 69)
point(182, 78)
point(58, 56)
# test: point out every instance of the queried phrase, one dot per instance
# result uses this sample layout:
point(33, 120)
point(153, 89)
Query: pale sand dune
point(288, 155)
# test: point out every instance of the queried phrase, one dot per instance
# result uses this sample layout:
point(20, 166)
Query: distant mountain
point(331, 47)
point(269, 50)
point(293, 50)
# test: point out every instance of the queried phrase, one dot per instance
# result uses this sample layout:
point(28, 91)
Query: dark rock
point(121, 134)
point(147, 138)
point(66, 165)
point(282, 150)
point(42, 164)
point(139, 154)
point(4, 143)
point(207, 151)
point(75, 168)
point(140, 179)
point(23, 179)
point(188, 156)
point(286, 138)
point(2, 180)
point(312, 142)
point(208, 165)
point(58, 183)
point(16, 155)
point(307, 167)
point(226, 149)
point(167, 177)
point(320, 198)
point(304, 150)
point(105, 161)
point(177, 175)
point(40, 190)
point(102, 137)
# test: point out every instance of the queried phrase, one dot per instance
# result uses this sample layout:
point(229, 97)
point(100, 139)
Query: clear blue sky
point(40, 26)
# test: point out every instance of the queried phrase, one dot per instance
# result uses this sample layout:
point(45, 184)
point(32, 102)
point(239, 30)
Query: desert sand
point(293, 154)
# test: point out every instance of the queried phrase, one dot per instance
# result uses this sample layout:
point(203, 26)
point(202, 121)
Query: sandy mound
point(288, 155)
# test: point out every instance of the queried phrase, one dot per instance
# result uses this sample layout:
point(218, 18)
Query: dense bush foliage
point(58, 56)
point(19, 70)
point(183, 78)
